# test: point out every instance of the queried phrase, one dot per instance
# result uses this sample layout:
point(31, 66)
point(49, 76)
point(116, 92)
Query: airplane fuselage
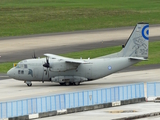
point(33, 70)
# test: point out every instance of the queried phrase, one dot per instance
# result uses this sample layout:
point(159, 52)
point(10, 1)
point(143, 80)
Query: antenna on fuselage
point(34, 55)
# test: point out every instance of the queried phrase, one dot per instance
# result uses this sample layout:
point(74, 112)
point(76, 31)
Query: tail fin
point(137, 44)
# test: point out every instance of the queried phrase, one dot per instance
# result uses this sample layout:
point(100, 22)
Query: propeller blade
point(47, 60)
point(47, 65)
point(48, 72)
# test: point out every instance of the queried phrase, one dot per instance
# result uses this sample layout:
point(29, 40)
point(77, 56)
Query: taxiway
point(104, 114)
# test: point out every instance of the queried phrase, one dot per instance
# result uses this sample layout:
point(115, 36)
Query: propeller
point(47, 65)
point(34, 55)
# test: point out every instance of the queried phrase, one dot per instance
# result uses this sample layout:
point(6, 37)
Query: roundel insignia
point(145, 32)
point(109, 67)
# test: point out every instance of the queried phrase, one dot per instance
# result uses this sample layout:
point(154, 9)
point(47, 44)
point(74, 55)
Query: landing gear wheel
point(67, 83)
point(29, 85)
point(77, 83)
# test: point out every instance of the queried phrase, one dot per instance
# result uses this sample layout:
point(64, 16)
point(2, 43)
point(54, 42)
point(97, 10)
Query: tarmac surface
point(104, 114)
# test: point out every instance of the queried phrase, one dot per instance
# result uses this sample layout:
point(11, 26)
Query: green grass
point(154, 55)
point(24, 17)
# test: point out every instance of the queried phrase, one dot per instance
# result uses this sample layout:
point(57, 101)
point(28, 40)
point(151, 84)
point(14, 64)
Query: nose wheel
point(29, 85)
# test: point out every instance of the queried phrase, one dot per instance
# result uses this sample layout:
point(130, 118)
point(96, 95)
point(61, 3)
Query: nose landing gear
point(29, 84)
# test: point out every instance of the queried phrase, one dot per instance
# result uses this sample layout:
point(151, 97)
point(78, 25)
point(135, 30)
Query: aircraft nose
point(10, 73)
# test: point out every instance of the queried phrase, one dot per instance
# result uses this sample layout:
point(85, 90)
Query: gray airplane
point(66, 71)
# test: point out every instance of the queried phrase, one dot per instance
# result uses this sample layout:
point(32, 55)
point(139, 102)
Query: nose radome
point(10, 73)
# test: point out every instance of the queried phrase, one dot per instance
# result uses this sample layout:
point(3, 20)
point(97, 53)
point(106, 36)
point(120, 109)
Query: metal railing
point(70, 100)
point(153, 89)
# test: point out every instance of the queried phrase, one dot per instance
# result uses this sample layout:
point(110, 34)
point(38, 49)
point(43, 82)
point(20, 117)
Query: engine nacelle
point(63, 79)
point(62, 66)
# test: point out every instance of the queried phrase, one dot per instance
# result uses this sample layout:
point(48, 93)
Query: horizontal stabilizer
point(137, 58)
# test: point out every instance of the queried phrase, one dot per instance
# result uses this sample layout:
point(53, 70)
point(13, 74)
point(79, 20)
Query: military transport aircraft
point(66, 71)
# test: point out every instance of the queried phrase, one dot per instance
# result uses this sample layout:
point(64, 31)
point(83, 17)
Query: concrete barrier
point(33, 116)
point(25, 117)
point(60, 112)
point(106, 105)
point(86, 108)
point(151, 99)
point(133, 101)
point(47, 114)
point(78, 109)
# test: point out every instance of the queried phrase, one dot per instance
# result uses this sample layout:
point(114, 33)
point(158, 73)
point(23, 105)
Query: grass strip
point(26, 17)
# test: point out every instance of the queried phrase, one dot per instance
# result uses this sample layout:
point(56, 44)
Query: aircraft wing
point(68, 60)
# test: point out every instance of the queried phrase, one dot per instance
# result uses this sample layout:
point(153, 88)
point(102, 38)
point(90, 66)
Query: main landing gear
point(76, 83)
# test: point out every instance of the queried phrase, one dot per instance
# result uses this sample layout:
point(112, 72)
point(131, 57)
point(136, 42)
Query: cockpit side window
point(19, 71)
point(19, 66)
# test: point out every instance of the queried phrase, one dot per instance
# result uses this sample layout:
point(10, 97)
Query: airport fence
point(153, 89)
point(70, 100)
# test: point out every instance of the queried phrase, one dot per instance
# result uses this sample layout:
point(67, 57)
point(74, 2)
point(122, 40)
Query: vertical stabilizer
point(137, 44)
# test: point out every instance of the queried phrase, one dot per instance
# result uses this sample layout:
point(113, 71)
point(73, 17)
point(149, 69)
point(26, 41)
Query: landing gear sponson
point(68, 80)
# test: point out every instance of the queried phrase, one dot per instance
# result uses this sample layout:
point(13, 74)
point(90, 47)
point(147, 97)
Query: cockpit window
point(21, 66)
